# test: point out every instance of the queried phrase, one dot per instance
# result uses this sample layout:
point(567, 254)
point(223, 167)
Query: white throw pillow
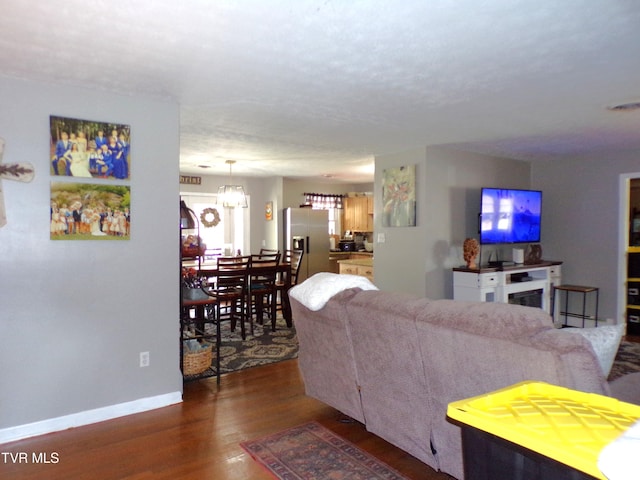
point(317, 290)
point(605, 341)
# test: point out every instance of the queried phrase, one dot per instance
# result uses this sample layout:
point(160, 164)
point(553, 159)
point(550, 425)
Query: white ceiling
point(304, 88)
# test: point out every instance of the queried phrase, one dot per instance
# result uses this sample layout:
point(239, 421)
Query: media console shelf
point(529, 285)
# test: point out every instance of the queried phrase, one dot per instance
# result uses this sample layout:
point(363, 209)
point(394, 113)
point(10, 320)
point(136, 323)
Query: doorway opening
point(629, 253)
point(230, 230)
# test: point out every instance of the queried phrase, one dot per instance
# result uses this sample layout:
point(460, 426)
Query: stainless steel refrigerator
point(308, 230)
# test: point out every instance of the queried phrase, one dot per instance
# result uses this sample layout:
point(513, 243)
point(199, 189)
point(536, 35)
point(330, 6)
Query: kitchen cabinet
point(358, 214)
point(357, 266)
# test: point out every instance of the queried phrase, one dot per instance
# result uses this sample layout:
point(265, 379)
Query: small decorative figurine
point(470, 250)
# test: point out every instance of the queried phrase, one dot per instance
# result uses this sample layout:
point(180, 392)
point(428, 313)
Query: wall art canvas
point(89, 211)
point(268, 211)
point(89, 149)
point(399, 197)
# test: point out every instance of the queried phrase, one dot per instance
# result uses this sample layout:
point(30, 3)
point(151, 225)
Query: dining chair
point(262, 288)
point(212, 253)
point(226, 285)
point(230, 290)
point(294, 259)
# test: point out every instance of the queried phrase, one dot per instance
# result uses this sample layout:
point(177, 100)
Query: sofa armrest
point(626, 388)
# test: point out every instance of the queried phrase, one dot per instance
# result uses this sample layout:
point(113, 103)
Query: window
point(231, 233)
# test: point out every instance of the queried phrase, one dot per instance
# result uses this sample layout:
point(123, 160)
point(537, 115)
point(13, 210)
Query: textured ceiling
point(307, 88)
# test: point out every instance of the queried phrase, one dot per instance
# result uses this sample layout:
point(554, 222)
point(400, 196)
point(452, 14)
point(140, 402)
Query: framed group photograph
point(89, 149)
point(90, 211)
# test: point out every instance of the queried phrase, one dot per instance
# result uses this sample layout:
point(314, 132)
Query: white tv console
point(521, 284)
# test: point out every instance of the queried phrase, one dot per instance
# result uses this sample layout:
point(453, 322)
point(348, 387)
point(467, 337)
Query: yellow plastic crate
point(568, 426)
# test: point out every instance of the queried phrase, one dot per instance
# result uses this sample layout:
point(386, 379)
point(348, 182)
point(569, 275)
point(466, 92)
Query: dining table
point(200, 306)
point(210, 270)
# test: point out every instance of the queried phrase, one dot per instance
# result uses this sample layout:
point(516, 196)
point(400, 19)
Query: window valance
point(323, 201)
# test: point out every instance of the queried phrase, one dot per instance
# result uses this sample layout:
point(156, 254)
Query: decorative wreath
point(205, 217)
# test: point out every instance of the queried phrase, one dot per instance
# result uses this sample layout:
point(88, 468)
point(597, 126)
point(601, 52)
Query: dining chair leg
point(274, 309)
point(259, 310)
point(249, 313)
point(218, 345)
point(243, 331)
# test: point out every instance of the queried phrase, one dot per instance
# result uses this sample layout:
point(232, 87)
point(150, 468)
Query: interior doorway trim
point(623, 240)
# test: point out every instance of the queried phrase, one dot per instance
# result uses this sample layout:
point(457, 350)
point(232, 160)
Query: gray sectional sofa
point(394, 362)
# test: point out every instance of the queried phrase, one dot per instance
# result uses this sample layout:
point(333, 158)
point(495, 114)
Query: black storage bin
point(487, 457)
point(633, 293)
point(633, 265)
point(538, 431)
point(633, 321)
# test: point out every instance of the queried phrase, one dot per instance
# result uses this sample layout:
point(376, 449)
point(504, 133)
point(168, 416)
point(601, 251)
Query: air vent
point(625, 107)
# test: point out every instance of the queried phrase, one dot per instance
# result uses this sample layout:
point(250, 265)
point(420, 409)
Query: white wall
point(74, 315)
point(581, 223)
point(419, 259)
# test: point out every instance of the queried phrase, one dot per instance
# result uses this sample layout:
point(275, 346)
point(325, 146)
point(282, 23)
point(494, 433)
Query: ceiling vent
point(625, 107)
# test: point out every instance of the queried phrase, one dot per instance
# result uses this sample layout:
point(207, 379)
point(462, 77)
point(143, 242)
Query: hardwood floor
point(198, 438)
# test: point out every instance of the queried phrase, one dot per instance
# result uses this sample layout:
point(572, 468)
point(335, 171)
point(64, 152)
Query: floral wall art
point(399, 197)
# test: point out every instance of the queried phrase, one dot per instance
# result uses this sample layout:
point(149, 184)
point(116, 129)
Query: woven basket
point(197, 362)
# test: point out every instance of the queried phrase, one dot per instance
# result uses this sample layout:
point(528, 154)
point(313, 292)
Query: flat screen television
point(510, 216)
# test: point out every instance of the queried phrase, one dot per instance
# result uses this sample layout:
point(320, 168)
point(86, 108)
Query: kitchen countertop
point(365, 262)
point(341, 253)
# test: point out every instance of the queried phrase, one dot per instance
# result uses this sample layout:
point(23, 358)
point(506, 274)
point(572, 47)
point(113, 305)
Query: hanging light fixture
point(231, 196)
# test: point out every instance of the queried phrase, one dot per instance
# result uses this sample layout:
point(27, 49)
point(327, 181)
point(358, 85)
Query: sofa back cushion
point(325, 356)
point(394, 390)
point(489, 319)
point(471, 348)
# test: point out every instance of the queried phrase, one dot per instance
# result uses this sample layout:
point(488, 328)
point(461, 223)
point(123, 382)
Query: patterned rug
point(627, 360)
point(261, 348)
point(312, 451)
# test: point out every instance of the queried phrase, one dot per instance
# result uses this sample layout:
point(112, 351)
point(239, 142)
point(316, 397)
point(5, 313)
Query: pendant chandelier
point(230, 195)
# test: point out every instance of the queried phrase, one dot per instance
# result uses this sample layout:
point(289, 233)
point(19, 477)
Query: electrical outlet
point(144, 359)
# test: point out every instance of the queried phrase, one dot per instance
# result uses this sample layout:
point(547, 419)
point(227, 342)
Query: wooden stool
point(567, 289)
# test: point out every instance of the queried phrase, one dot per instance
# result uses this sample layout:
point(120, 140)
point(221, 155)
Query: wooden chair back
point(293, 258)
point(268, 251)
point(233, 263)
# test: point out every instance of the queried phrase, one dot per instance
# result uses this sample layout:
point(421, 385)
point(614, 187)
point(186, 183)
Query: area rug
point(262, 348)
point(311, 451)
point(627, 360)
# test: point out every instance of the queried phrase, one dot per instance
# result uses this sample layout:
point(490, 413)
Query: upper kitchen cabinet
point(358, 214)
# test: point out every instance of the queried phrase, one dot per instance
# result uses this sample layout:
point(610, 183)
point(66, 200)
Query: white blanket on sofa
point(315, 291)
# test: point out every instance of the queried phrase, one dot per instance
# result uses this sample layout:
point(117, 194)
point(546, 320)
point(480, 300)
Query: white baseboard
point(57, 424)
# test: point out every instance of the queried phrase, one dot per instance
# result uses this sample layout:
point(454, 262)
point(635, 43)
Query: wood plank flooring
point(198, 438)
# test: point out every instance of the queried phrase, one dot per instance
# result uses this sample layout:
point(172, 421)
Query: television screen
point(510, 216)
